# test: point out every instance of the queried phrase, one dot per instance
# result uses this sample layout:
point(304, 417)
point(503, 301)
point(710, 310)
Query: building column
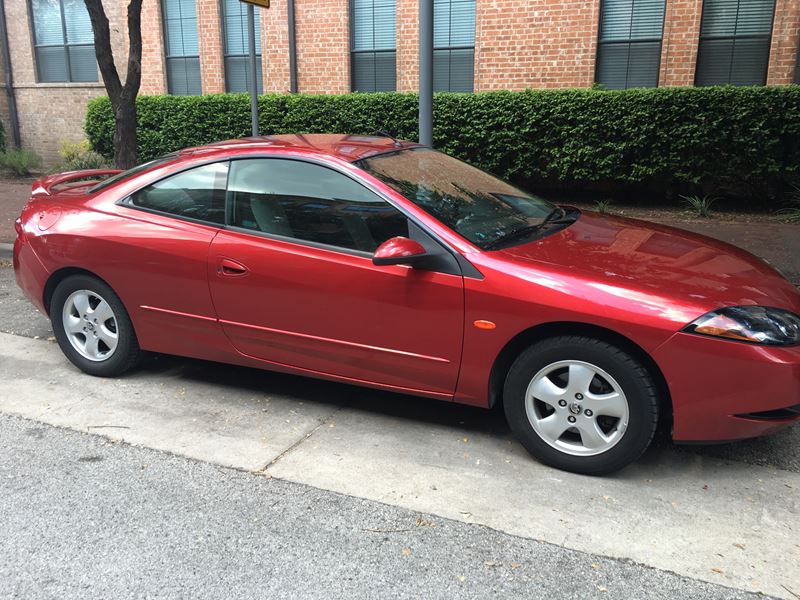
point(154, 77)
point(679, 46)
point(275, 48)
point(323, 46)
point(209, 32)
point(783, 54)
point(407, 45)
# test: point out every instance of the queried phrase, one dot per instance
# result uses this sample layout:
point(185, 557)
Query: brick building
point(200, 46)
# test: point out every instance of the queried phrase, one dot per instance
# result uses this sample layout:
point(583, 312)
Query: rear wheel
point(92, 326)
point(581, 404)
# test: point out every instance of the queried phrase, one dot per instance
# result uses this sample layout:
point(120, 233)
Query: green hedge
point(734, 140)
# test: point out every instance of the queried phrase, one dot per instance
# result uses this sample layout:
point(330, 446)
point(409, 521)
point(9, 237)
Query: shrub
point(741, 141)
point(2, 137)
point(77, 156)
point(699, 205)
point(20, 162)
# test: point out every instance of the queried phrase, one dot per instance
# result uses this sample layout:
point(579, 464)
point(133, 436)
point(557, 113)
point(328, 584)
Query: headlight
point(754, 324)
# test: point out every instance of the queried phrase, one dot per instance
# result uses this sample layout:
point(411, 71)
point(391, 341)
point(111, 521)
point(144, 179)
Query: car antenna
point(383, 133)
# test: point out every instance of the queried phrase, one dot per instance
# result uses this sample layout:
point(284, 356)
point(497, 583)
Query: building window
point(797, 67)
point(735, 36)
point(453, 45)
point(181, 49)
point(63, 41)
point(373, 52)
point(629, 46)
point(237, 47)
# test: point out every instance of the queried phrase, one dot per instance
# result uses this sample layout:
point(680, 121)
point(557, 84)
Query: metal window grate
point(63, 41)
point(373, 53)
point(181, 47)
point(735, 37)
point(629, 45)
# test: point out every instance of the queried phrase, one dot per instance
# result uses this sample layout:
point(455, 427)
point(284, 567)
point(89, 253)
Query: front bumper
point(727, 390)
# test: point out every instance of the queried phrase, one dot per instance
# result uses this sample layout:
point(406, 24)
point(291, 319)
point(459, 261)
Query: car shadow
point(781, 450)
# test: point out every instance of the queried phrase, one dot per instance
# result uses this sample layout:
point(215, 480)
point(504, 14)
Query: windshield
point(483, 209)
point(130, 173)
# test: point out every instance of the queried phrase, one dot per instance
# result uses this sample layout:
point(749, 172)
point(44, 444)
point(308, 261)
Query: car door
point(293, 282)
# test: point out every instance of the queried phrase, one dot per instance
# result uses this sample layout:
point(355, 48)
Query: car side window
point(198, 193)
point(309, 202)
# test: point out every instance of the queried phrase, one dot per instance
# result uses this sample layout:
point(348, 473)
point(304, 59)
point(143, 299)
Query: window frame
point(630, 42)
point(352, 35)
point(733, 38)
point(65, 47)
point(226, 55)
point(449, 50)
point(167, 56)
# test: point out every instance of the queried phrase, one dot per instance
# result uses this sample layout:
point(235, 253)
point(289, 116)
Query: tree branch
point(133, 78)
point(102, 48)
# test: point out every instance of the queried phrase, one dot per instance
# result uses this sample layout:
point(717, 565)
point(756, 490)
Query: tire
point(92, 327)
point(603, 397)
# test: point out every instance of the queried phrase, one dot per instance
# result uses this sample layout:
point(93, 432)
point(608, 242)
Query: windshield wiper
point(554, 217)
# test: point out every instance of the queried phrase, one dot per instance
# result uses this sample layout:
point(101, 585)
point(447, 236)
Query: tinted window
point(197, 194)
point(312, 203)
point(63, 41)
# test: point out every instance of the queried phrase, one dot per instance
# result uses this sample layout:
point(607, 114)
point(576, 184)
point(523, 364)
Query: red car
point(390, 265)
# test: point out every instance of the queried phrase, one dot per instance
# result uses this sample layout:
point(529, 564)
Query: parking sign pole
point(253, 79)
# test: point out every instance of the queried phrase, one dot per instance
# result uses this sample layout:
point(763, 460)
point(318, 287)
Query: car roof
point(346, 147)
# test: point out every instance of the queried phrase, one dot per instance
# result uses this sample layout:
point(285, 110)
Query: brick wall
point(785, 39)
point(538, 44)
point(209, 31)
point(323, 46)
point(679, 46)
point(275, 47)
point(407, 44)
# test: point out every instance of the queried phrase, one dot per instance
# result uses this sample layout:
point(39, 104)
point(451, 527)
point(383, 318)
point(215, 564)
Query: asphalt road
point(82, 517)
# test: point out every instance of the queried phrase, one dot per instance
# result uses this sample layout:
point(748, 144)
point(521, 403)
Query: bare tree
point(123, 97)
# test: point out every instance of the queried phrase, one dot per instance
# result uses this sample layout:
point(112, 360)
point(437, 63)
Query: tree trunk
point(125, 121)
point(123, 98)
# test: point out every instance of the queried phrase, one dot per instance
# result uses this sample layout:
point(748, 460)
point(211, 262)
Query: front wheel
point(581, 404)
point(92, 326)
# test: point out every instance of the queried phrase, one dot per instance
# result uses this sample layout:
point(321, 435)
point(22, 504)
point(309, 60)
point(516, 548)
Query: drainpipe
point(8, 78)
point(292, 49)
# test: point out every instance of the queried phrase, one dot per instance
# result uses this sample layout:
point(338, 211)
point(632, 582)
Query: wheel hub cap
point(577, 408)
point(90, 325)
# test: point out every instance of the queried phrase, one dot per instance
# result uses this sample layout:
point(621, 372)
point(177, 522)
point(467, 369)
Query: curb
point(6, 251)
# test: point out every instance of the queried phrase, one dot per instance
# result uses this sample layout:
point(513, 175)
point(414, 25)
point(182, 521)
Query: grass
point(700, 205)
point(602, 206)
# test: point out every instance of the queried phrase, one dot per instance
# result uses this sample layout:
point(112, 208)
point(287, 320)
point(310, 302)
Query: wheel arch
point(60, 275)
point(530, 336)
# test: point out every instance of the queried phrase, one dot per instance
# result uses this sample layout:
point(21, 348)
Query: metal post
point(292, 48)
point(426, 72)
point(253, 79)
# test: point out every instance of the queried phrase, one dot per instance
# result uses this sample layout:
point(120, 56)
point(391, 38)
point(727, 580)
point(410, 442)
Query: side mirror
point(399, 251)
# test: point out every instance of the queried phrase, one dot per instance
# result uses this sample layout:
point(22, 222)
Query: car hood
point(658, 260)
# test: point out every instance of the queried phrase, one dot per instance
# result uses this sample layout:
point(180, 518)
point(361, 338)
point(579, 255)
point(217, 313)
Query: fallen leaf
point(516, 565)
point(461, 578)
point(716, 570)
point(465, 440)
point(705, 487)
point(595, 566)
point(406, 551)
point(600, 588)
point(739, 546)
point(491, 563)
point(425, 523)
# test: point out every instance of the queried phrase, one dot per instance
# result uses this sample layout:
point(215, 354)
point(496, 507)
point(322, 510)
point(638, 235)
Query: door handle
point(231, 268)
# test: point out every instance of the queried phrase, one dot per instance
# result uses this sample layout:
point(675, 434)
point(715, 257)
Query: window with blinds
point(181, 47)
point(237, 47)
point(63, 41)
point(735, 36)
point(629, 46)
point(373, 54)
point(453, 45)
